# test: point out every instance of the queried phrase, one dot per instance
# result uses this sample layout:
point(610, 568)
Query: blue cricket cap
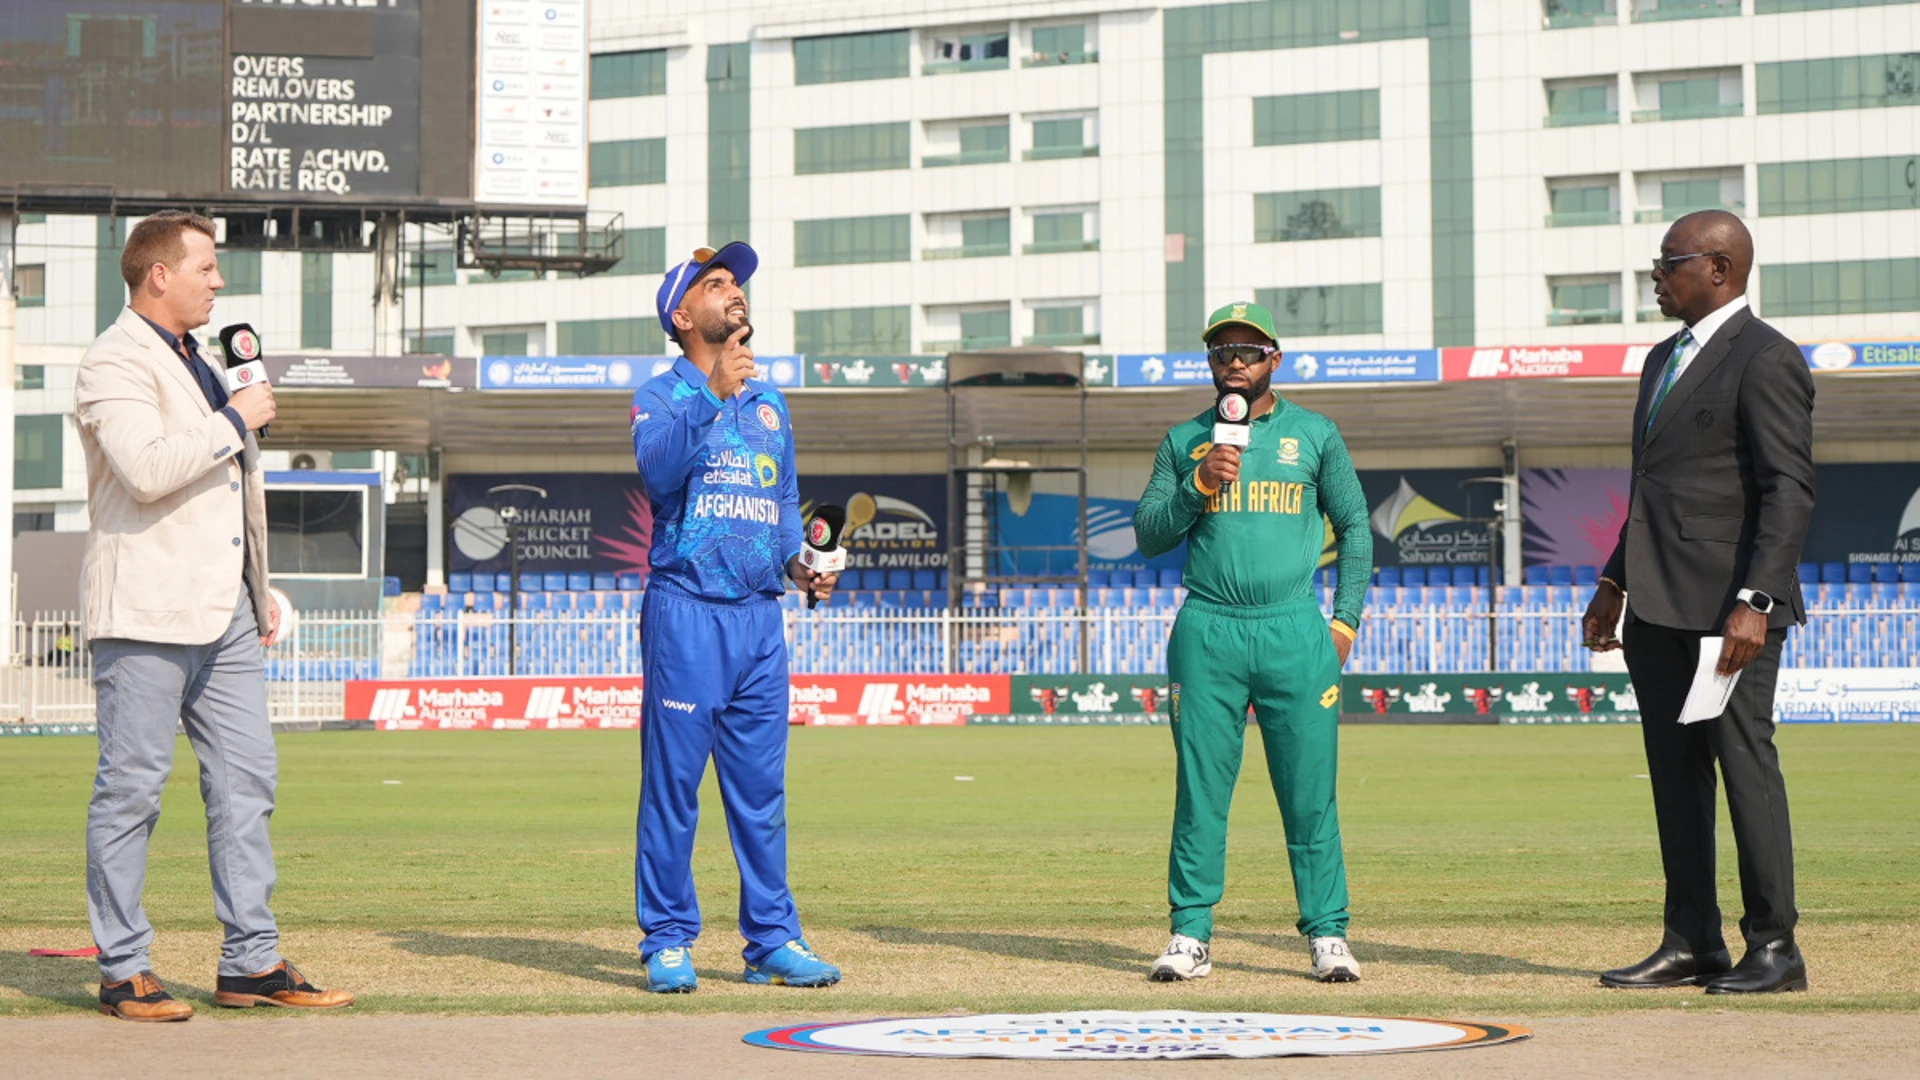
point(736, 256)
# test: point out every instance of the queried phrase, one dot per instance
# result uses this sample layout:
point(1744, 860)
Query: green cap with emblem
point(1241, 314)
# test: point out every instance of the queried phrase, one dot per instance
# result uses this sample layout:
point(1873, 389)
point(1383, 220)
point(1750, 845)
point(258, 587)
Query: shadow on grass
point(1464, 963)
point(611, 966)
point(74, 981)
point(1082, 952)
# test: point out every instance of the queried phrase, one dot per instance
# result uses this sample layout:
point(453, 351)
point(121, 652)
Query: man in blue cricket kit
point(715, 448)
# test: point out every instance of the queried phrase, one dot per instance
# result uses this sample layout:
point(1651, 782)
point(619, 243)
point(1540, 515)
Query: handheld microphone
point(1232, 420)
point(822, 552)
point(242, 348)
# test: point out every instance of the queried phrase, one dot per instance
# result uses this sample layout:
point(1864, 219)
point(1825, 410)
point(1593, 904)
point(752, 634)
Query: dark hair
point(157, 239)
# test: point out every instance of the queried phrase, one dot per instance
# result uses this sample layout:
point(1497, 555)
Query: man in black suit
point(1722, 496)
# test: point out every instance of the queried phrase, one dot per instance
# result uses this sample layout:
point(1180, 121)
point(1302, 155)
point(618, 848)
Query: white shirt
point(1703, 331)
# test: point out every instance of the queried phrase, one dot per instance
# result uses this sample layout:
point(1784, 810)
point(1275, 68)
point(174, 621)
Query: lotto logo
point(390, 705)
point(1487, 364)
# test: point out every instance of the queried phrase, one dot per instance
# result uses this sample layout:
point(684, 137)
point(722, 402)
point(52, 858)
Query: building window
point(642, 251)
point(1327, 214)
point(968, 236)
point(37, 451)
point(1060, 45)
point(971, 143)
point(841, 241)
point(1061, 138)
point(505, 342)
point(30, 377)
point(854, 148)
point(1844, 186)
point(1058, 230)
point(30, 285)
point(868, 331)
point(850, 57)
point(611, 337)
point(1687, 95)
point(986, 329)
point(951, 51)
point(628, 74)
point(1582, 200)
point(1583, 300)
point(1320, 310)
point(433, 341)
point(1667, 196)
point(241, 271)
point(1648, 310)
point(627, 163)
point(1669, 10)
point(1863, 287)
point(320, 531)
point(1063, 323)
point(1843, 82)
point(1775, 7)
point(1577, 102)
point(32, 520)
point(1338, 116)
point(316, 300)
point(1566, 13)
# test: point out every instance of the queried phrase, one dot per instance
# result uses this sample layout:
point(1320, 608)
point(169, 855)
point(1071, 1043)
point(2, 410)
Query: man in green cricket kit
point(1251, 634)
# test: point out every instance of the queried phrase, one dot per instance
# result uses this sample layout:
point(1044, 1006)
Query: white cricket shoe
point(1332, 963)
point(1185, 958)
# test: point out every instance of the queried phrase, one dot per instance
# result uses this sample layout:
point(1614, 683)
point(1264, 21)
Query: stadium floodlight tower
point(992, 472)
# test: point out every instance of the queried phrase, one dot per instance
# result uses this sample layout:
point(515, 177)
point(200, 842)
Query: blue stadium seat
point(1833, 573)
point(571, 601)
point(1145, 579)
point(1413, 575)
point(536, 602)
point(1809, 573)
point(1886, 571)
point(1099, 579)
point(926, 580)
point(1559, 575)
point(1859, 594)
point(940, 580)
point(1413, 596)
point(1536, 575)
point(1910, 591)
point(1586, 575)
point(1886, 593)
point(459, 583)
point(579, 581)
point(605, 582)
point(899, 580)
point(1909, 572)
point(627, 601)
point(529, 583)
point(553, 582)
point(1483, 574)
point(482, 601)
point(1860, 573)
point(389, 586)
point(1170, 577)
point(431, 602)
point(863, 598)
point(1387, 575)
point(1463, 575)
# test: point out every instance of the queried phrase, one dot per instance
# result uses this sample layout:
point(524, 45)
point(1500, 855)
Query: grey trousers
point(143, 690)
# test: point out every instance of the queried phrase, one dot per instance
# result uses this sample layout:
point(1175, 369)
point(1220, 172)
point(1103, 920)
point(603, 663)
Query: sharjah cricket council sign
point(1128, 1036)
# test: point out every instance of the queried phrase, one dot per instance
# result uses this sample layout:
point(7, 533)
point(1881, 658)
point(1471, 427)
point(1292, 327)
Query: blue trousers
point(716, 682)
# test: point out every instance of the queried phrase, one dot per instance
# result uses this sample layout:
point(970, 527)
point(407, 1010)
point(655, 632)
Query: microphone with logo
point(1232, 420)
point(242, 347)
point(822, 552)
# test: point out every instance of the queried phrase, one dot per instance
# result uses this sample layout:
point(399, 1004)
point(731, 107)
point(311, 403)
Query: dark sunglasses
point(1666, 263)
point(1246, 354)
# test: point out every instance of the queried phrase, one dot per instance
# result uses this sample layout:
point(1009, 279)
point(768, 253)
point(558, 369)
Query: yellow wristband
point(1342, 628)
point(1202, 488)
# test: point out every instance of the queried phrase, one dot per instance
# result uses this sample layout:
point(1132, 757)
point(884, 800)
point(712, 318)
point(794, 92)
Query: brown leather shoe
point(280, 984)
point(143, 999)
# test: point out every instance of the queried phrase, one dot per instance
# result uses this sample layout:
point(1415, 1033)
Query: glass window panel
point(1319, 310)
point(986, 232)
point(850, 57)
point(984, 139)
point(1052, 133)
point(37, 448)
point(1058, 321)
point(603, 337)
point(986, 329)
point(855, 148)
point(832, 241)
point(1060, 41)
point(1310, 118)
point(627, 163)
point(628, 74)
point(853, 331)
point(241, 269)
point(1317, 215)
point(316, 301)
point(1058, 228)
point(316, 532)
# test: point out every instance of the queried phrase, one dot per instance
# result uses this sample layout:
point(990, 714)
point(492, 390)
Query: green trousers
point(1279, 660)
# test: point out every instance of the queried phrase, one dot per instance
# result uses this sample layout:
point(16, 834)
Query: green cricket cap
point(1242, 314)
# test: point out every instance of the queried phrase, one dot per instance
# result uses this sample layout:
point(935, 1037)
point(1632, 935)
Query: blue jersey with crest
point(720, 477)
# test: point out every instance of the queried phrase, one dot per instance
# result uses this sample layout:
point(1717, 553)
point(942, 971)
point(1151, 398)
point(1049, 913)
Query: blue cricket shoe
point(670, 971)
point(793, 964)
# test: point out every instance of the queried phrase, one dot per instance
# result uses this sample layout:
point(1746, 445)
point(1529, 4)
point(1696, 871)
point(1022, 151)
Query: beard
point(1254, 390)
point(715, 327)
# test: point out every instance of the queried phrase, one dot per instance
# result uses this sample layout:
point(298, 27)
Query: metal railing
point(50, 677)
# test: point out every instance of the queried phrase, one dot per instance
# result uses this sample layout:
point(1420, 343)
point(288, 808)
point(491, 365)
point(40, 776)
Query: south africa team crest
point(769, 417)
point(1289, 451)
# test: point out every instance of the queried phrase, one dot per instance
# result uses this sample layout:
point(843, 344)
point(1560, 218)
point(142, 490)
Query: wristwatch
point(1755, 599)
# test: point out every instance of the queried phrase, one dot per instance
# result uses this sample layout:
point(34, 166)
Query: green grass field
point(1494, 871)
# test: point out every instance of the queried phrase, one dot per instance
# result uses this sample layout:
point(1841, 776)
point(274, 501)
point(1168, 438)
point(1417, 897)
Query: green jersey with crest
point(1258, 540)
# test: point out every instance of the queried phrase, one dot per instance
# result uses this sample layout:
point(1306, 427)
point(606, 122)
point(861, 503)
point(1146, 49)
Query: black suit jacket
point(1722, 482)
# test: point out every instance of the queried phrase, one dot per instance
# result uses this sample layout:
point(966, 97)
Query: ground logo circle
point(1108, 1035)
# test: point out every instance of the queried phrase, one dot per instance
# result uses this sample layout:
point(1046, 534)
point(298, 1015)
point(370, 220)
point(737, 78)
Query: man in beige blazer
point(173, 590)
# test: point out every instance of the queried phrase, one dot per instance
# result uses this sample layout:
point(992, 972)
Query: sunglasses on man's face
point(1249, 355)
point(1665, 263)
